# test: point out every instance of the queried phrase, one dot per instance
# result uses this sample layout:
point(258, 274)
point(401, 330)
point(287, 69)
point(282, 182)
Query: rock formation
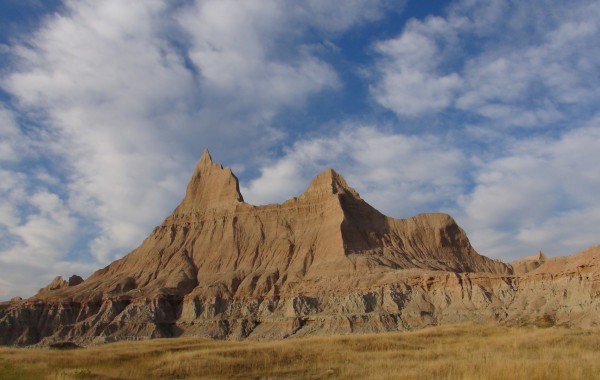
point(59, 283)
point(324, 262)
point(528, 263)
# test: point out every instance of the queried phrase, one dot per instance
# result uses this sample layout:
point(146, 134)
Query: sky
point(488, 110)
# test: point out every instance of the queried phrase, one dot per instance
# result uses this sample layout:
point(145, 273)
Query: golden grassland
point(448, 352)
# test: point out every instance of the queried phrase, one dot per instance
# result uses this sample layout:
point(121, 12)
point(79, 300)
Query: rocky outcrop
point(323, 262)
point(60, 283)
point(528, 263)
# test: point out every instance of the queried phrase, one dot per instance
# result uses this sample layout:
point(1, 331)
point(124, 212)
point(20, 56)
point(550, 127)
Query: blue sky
point(487, 110)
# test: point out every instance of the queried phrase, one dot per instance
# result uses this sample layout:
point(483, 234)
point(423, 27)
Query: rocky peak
point(211, 187)
point(540, 256)
point(74, 280)
point(59, 283)
point(205, 160)
point(329, 182)
point(529, 263)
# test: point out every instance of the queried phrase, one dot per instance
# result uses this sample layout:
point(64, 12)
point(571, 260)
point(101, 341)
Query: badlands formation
point(325, 262)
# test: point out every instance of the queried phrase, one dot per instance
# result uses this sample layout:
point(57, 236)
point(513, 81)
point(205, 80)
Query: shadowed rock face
point(324, 262)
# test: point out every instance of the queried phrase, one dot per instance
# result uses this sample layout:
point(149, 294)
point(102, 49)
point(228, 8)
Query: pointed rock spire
point(205, 163)
point(329, 182)
point(205, 159)
point(211, 187)
point(541, 256)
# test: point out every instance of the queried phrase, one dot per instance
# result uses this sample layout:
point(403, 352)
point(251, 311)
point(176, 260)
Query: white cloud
point(515, 64)
point(24, 280)
point(107, 82)
point(121, 97)
point(46, 233)
point(233, 46)
point(564, 233)
point(121, 100)
point(13, 193)
point(411, 82)
point(337, 16)
point(13, 144)
point(37, 231)
point(541, 195)
point(521, 64)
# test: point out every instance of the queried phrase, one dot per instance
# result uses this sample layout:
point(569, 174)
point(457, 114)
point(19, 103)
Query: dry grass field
point(448, 352)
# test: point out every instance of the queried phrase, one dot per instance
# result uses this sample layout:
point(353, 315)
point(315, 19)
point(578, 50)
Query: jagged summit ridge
point(211, 187)
point(217, 263)
point(529, 263)
point(205, 160)
point(214, 187)
point(329, 182)
point(327, 230)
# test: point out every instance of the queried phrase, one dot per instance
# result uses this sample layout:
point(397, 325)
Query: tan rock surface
point(324, 262)
point(528, 263)
point(583, 262)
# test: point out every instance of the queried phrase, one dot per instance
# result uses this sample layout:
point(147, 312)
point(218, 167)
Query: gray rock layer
point(411, 302)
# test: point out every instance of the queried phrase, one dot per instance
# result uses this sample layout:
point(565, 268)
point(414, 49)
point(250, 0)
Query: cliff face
point(324, 262)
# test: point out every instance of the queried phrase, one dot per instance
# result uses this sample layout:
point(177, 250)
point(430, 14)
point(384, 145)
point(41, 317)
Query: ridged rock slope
point(324, 262)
